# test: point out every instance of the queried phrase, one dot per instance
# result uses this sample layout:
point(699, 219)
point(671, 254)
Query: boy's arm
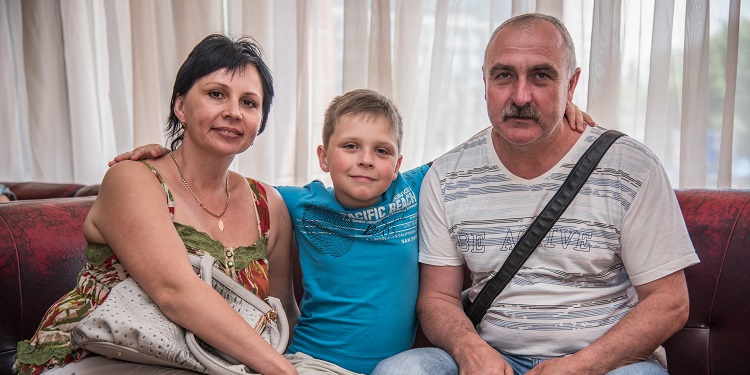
point(151, 151)
point(579, 121)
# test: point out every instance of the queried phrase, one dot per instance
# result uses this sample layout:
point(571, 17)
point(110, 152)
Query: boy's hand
point(579, 119)
point(151, 151)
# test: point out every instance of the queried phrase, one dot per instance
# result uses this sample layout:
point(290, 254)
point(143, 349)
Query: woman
point(148, 216)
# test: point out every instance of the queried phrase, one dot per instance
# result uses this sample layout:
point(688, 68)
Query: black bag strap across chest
point(541, 225)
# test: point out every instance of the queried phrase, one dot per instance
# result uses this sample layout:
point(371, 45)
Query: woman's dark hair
point(216, 52)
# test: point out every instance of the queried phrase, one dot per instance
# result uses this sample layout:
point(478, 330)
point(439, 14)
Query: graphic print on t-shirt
point(334, 233)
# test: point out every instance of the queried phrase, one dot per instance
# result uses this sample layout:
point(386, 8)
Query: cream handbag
point(129, 326)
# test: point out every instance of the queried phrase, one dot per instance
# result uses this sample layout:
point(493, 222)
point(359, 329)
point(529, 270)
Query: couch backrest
point(41, 254)
point(42, 190)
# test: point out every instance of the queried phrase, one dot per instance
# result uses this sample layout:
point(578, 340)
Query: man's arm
point(662, 310)
point(441, 276)
point(444, 322)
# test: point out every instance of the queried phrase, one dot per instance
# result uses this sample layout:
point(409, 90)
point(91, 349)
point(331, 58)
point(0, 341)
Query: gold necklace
point(226, 205)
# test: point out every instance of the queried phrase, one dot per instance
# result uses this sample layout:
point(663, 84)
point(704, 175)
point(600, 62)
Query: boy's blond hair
point(363, 102)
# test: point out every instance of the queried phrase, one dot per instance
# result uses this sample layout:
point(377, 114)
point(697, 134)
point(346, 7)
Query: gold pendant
point(221, 225)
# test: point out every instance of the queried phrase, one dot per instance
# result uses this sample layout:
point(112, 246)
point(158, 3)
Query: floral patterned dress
point(50, 346)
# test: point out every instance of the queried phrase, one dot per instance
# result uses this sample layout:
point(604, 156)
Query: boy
point(357, 241)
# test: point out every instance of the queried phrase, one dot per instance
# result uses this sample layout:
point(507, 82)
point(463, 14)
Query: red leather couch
point(41, 245)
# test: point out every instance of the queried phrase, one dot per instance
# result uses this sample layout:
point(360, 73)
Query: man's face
point(527, 83)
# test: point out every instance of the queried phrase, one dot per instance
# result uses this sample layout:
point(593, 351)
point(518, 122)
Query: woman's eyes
point(245, 102)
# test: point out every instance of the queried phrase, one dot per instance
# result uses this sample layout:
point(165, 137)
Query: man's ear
point(572, 83)
point(322, 159)
point(484, 80)
point(398, 166)
point(179, 108)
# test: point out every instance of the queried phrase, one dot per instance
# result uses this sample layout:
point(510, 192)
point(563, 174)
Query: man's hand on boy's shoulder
point(151, 151)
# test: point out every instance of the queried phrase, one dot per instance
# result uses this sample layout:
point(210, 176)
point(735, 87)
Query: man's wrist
point(590, 361)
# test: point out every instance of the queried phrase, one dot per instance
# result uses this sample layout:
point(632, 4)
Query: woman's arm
point(130, 215)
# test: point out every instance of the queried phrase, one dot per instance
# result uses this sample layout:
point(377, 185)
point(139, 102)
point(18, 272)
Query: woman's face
point(222, 112)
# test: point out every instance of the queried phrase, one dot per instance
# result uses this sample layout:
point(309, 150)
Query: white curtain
point(84, 80)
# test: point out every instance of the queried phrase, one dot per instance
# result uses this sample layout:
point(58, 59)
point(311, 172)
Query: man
point(603, 290)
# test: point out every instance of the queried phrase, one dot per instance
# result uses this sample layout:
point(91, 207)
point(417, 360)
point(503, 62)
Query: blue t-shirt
point(359, 271)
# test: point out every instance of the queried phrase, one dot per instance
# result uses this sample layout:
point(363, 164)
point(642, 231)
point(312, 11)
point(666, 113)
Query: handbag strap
point(542, 225)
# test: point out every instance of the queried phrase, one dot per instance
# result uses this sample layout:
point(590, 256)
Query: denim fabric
point(421, 361)
point(435, 361)
point(647, 367)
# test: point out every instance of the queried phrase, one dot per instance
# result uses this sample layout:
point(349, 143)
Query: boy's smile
point(362, 157)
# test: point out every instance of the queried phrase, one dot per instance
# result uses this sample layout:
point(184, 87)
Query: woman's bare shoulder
point(129, 191)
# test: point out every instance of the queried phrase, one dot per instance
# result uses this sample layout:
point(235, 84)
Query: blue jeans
point(435, 361)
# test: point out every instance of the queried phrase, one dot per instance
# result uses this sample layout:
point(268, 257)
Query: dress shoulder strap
point(261, 206)
point(170, 198)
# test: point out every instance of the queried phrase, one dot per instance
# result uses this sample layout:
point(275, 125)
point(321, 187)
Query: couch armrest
point(41, 253)
point(715, 337)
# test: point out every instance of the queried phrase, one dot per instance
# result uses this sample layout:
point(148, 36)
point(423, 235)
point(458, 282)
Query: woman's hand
point(151, 151)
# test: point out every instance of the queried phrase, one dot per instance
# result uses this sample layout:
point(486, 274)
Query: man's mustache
point(527, 111)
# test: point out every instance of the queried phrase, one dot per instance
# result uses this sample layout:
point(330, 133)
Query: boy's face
point(362, 158)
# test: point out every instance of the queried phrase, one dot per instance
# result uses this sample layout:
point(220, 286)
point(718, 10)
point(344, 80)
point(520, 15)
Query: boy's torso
point(360, 273)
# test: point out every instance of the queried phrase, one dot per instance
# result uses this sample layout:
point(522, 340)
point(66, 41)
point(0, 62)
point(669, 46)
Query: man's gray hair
point(526, 21)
